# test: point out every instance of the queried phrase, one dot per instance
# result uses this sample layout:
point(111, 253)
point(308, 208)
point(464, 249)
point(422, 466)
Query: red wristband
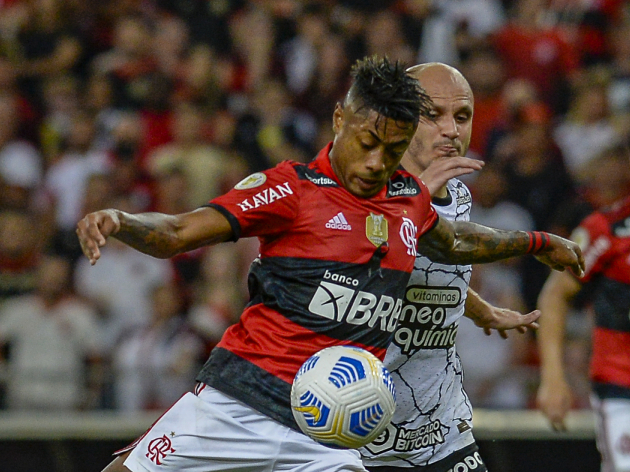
point(538, 240)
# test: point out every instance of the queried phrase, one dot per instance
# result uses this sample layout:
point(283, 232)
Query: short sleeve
point(262, 204)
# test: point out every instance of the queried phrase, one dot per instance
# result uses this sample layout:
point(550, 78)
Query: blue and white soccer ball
point(343, 397)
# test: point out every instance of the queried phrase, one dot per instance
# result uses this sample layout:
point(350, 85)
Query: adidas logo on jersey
point(338, 222)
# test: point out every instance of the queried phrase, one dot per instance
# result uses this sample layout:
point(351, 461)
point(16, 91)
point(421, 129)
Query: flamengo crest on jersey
point(433, 415)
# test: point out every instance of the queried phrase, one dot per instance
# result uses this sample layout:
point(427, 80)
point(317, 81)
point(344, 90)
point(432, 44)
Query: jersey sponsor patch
point(471, 462)
point(315, 177)
point(266, 196)
point(422, 318)
point(400, 439)
point(448, 297)
point(344, 304)
point(251, 181)
point(401, 185)
point(462, 197)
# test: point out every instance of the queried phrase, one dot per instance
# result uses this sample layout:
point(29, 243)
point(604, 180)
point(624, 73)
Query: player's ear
point(337, 118)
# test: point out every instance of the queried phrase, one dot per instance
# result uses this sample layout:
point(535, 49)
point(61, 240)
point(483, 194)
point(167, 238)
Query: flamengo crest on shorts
point(158, 449)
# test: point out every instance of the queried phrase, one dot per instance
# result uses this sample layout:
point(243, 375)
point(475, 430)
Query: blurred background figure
point(21, 163)
point(203, 165)
point(53, 344)
point(499, 372)
point(20, 253)
point(156, 364)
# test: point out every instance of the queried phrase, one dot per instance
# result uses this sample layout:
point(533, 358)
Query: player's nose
point(448, 127)
point(375, 160)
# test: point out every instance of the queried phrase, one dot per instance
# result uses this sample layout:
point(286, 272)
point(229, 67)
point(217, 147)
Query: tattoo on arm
point(463, 242)
point(154, 234)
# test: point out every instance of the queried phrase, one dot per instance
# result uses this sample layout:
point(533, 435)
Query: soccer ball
point(343, 397)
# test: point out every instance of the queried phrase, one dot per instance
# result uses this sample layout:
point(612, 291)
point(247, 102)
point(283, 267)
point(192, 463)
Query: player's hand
point(502, 320)
point(93, 231)
point(561, 254)
point(554, 399)
point(443, 169)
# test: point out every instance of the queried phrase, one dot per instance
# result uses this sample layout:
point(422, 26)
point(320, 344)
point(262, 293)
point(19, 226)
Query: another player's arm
point(554, 394)
point(489, 317)
point(156, 234)
point(465, 242)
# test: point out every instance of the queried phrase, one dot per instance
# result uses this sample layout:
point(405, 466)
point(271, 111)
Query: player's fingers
point(533, 315)
point(581, 267)
point(503, 333)
point(89, 247)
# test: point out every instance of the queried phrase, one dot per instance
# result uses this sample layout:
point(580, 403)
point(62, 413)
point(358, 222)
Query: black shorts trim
point(604, 390)
point(468, 456)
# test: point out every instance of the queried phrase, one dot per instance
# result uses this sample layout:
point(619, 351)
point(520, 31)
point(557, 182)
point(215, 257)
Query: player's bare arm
point(490, 317)
point(554, 393)
point(155, 234)
point(464, 242)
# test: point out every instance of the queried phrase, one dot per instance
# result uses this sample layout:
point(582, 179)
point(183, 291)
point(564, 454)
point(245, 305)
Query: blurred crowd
point(160, 105)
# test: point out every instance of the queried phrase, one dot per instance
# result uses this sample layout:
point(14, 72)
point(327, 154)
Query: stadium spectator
point(155, 364)
point(539, 53)
point(21, 163)
point(203, 165)
point(51, 337)
point(19, 253)
point(589, 126)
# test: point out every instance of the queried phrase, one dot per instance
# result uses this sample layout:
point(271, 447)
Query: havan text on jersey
point(266, 196)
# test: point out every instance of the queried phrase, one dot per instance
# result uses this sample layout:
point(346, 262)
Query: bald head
point(440, 79)
point(447, 133)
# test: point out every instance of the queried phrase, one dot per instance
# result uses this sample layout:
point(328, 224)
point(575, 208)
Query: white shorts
point(213, 432)
point(613, 432)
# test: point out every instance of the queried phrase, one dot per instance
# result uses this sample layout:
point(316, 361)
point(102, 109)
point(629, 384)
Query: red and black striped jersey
point(332, 270)
point(604, 237)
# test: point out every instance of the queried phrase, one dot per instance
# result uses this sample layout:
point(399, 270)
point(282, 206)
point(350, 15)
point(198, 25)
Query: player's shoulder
point(608, 217)
point(460, 190)
point(313, 173)
point(404, 184)
point(619, 210)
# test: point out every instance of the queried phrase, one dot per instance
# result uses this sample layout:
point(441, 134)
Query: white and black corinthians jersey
point(433, 416)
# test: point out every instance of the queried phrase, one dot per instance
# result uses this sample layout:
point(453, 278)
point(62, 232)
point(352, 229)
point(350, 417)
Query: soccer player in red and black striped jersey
point(338, 240)
point(604, 237)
